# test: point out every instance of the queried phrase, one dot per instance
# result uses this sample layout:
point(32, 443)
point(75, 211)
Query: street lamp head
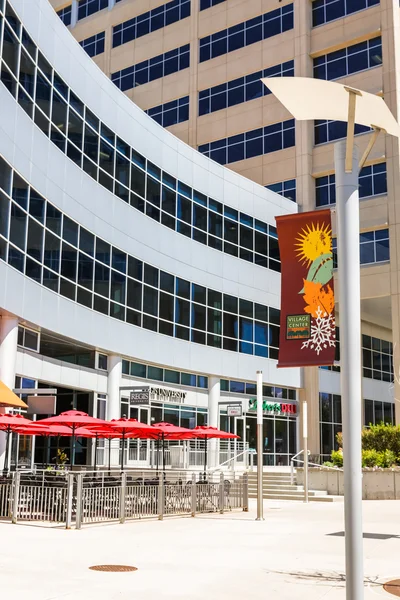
point(308, 99)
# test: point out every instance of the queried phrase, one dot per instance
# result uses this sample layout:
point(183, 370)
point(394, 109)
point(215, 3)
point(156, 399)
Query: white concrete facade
point(63, 184)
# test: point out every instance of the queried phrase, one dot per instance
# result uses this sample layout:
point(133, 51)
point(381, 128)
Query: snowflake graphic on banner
point(322, 332)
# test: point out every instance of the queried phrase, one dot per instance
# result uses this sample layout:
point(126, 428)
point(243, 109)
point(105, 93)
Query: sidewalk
point(291, 555)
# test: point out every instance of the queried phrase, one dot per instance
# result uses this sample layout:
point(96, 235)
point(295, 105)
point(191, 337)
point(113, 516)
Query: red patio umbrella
point(36, 428)
point(8, 423)
point(106, 433)
point(131, 428)
point(168, 431)
point(74, 419)
point(207, 433)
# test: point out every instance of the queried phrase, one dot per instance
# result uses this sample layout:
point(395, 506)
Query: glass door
point(138, 450)
point(240, 444)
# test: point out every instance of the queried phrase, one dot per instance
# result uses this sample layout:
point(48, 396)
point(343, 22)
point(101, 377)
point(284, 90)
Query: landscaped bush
point(337, 458)
point(380, 447)
point(382, 437)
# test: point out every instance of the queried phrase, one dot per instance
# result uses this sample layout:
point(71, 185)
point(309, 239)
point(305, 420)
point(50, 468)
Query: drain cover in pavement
point(393, 587)
point(112, 568)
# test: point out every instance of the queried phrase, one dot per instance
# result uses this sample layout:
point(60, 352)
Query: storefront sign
point(41, 405)
point(139, 396)
point(273, 407)
point(307, 332)
point(234, 410)
point(166, 395)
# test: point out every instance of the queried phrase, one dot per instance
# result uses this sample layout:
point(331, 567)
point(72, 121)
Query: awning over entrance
point(8, 399)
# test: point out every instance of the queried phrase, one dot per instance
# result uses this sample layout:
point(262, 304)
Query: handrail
point(321, 466)
point(294, 458)
point(235, 457)
point(309, 464)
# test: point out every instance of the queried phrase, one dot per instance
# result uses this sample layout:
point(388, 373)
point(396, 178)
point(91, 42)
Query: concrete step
point(280, 488)
point(284, 489)
point(300, 497)
point(292, 492)
point(271, 479)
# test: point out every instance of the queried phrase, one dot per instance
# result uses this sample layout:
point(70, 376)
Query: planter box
point(382, 484)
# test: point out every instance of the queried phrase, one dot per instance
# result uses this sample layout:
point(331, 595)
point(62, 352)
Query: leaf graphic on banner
point(316, 297)
point(321, 270)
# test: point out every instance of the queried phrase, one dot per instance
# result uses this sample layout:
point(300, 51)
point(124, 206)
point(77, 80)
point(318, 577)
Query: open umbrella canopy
point(9, 399)
point(36, 428)
point(133, 428)
point(10, 422)
point(74, 419)
point(168, 431)
point(204, 432)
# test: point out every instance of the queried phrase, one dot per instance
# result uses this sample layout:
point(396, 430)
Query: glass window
point(155, 373)
point(139, 370)
point(171, 376)
point(247, 33)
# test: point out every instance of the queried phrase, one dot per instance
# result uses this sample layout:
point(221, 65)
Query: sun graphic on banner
point(312, 242)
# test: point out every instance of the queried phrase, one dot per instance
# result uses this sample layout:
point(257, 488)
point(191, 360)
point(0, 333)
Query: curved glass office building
point(127, 258)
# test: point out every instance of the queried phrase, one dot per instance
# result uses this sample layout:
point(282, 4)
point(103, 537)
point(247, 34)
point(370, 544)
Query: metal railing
point(185, 454)
point(94, 497)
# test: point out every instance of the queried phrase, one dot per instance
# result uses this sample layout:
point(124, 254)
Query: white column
point(113, 383)
point(214, 391)
point(8, 357)
point(348, 242)
point(111, 4)
point(113, 401)
point(74, 13)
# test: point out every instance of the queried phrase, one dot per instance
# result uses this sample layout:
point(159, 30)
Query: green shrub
point(370, 458)
point(383, 439)
point(337, 458)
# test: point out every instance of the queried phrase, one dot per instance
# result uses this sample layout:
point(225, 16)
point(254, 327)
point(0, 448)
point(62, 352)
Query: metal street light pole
point(348, 242)
point(305, 449)
point(260, 508)
point(307, 99)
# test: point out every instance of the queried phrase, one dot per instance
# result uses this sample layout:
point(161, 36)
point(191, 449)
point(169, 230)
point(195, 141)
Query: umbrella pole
point(95, 451)
point(73, 446)
point(123, 450)
point(58, 447)
point(44, 454)
point(5, 469)
point(163, 454)
point(48, 451)
point(205, 458)
point(109, 457)
point(157, 456)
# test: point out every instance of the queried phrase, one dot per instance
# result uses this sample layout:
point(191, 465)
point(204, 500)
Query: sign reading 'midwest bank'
point(273, 407)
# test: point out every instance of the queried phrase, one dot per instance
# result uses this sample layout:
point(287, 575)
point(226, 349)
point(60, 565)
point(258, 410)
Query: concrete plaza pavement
point(290, 555)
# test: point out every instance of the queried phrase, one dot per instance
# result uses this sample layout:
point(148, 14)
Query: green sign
point(298, 327)
point(273, 407)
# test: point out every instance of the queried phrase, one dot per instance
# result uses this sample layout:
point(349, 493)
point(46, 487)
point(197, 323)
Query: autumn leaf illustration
point(315, 295)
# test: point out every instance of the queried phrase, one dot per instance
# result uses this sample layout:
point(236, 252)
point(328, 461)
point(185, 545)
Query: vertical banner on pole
point(307, 332)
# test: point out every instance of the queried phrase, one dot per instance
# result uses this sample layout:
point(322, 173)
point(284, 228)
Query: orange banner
point(307, 333)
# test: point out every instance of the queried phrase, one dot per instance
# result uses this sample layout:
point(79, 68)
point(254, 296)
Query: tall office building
point(195, 66)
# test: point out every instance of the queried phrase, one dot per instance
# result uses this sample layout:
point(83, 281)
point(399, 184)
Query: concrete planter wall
point(382, 484)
